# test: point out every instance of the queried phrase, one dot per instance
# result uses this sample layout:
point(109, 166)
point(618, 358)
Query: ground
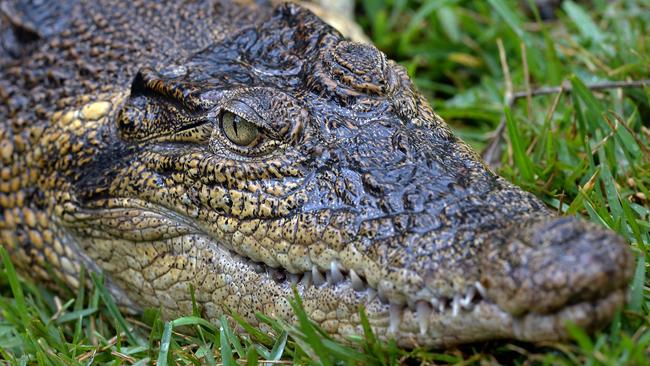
point(585, 151)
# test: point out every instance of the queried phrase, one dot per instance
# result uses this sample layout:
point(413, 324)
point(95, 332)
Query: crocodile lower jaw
point(448, 322)
point(331, 298)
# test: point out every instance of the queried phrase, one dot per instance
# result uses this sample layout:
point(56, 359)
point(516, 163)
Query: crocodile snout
point(547, 266)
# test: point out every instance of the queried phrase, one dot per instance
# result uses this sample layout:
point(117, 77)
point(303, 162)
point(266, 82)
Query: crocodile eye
point(238, 130)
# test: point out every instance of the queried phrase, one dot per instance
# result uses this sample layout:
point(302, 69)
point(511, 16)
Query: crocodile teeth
point(372, 294)
point(357, 282)
point(294, 278)
point(306, 279)
point(434, 302)
point(317, 277)
point(438, 304)
point(455, 306)
point(466, 302)
point(517, 328)
point(422, 311)
point(395, 317)
point(382, 295)
point(481, 290)
point(337, 275)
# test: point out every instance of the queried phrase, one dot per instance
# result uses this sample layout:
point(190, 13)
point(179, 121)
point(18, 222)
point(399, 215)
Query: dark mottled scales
point(330, 171)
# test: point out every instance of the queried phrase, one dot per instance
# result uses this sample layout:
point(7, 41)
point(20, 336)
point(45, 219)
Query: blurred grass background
point(584, 152)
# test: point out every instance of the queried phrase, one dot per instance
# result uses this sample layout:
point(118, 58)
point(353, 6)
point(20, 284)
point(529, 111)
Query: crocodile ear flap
point(163, 109)
point(139, 85)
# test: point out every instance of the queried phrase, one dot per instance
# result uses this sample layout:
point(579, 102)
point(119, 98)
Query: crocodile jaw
point(336, 309)
point(226, 282)
point(159, 273)
point(485, 321)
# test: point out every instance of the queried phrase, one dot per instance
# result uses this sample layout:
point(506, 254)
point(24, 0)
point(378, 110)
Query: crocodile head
point(286, 155)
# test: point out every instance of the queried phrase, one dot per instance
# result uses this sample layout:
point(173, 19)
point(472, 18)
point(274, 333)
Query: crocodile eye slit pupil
point(238, 130)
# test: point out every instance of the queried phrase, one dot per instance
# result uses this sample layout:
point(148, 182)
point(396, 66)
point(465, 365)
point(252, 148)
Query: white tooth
point(440, 305)
point(357, 282)
point(294, 278)
point(423, 311)
point(466, 301)
point(317, 277)
point(395, 317)
point(517, 329)
point(337, 276)
point(455, 306)
point(382, 295)
point(372, 294)
point(306, 279)
point(481, 290)
point(468, 307)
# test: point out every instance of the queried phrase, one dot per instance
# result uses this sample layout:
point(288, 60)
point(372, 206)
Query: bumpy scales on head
point(243, 151)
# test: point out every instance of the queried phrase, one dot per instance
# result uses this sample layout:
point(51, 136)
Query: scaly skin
point(116, 156)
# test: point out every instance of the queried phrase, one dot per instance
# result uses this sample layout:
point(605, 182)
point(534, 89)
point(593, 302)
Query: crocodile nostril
point(548, 265)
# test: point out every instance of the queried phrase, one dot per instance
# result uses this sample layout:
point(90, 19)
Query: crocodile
point(247, 149)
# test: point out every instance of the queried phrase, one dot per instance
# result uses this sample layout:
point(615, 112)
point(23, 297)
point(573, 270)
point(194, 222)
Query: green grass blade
point(226, 350)
point(278, 347)
point(254, 332)
point(508, 15)
point(583, 21)
point(165, 341)
point(113, 310)
point(193, 320)
point(16, 289)
point(519, 152)
point(637, 286)
point(306, 326)
point(231, 337)
point(251, 357)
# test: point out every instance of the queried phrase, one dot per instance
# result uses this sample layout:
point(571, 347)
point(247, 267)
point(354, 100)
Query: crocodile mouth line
point(474, 303)
point(340, 279)
point(336, 276)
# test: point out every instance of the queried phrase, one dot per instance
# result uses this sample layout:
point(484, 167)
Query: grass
point(584, 152)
